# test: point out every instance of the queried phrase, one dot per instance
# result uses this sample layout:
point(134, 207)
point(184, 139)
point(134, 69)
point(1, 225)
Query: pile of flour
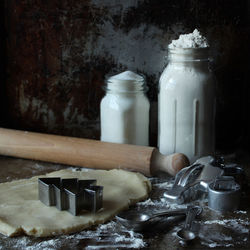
point(126, 76)
point(192, 40)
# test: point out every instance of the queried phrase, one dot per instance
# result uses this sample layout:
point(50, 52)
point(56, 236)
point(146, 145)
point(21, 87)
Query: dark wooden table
point(233, 236)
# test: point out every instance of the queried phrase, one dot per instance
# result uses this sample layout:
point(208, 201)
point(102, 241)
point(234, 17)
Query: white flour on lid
point(127, 76)
point(191, 40)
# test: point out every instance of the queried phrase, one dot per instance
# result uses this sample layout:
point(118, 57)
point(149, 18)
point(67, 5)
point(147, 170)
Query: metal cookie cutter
point(72, 195)
point(224, 194)
point(200, 174)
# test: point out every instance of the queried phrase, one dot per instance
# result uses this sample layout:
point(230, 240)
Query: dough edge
point(9, 230)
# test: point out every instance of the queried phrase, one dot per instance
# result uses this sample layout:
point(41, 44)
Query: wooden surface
point(12, 169)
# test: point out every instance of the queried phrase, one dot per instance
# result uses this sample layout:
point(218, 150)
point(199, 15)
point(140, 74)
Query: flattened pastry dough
point(22, 213)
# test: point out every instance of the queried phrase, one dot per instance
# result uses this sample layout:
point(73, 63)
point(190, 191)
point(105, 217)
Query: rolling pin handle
point(170, 164)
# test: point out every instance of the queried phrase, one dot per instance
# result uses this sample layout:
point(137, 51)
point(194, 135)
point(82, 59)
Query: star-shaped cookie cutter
point(72, 195)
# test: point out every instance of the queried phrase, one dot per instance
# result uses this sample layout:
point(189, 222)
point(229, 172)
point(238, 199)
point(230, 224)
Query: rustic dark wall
point(58, 52)
point(3, 97)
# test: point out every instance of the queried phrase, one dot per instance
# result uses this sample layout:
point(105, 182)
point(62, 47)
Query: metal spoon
point(139, 221)
point(186, 234)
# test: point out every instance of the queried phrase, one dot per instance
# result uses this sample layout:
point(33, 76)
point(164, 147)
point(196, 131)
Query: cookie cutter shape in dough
point(72, 195)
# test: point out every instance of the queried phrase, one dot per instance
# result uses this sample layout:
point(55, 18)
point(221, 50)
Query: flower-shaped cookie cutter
point(72, 195)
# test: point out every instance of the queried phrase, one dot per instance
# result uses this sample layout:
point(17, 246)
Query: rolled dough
point(22, 213)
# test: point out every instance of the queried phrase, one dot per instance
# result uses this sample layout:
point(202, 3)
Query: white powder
point(213, 233)
point(237, 224)
point(192, 40)
point(164, 185)
point(147, 202)
point(107, 236)
point(240, 212)
point(127, 76)
point(161, 204)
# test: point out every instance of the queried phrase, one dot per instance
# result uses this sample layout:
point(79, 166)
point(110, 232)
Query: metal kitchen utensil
point(201, 173)
point(187, 234)
point(230, 169)
point(140, 221)
point(224, 194)
point(72, 195)
point(238, 173)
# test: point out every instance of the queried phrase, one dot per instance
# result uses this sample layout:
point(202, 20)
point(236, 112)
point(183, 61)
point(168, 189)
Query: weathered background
point(56, 53)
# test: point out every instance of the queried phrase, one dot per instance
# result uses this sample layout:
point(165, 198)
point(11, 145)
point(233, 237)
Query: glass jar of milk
point(187, 104)
point(125, 110)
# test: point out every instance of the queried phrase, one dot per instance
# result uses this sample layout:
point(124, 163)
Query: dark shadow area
point(3, 95)
point(55, 55)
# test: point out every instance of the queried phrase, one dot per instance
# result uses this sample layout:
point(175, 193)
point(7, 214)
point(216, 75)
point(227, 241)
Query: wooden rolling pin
point(88, 153)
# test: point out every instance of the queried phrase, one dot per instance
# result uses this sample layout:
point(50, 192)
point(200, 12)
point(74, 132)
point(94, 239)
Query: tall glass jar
point(187, 104)
point(125, 110)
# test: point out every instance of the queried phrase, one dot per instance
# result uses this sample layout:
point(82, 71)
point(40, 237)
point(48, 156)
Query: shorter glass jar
point(125, 110)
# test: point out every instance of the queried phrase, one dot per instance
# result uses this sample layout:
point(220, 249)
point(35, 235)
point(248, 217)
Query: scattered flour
point(223, 233)
point(213, 233)
point(239, 225)
point(148, 202)
point(107, 236)
point(192, 40)
point(240, 212)
point(164, 185)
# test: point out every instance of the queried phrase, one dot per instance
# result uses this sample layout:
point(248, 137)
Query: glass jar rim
point(144, 90)
point(189, 49)
point(189, 54)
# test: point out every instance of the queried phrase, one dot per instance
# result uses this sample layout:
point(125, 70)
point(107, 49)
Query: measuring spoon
point(186, 234)
point(139, 221)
